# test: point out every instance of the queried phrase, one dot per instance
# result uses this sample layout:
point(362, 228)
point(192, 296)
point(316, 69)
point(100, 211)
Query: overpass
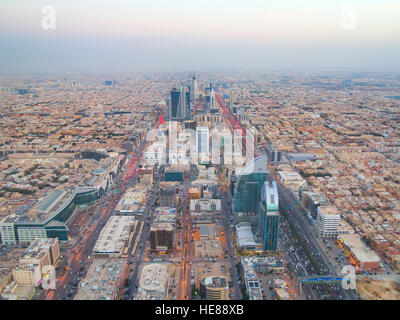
point(339, 278)
point(334, 278)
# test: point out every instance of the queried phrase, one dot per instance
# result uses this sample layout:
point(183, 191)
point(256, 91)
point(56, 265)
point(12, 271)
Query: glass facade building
point(187, 105)
point(179, 104)
point(175, 94)
point(247, 193)
point(173, 176)
point(56, 212)
point(270, 216)
point(247, 189)
point(85, 198)
point(271, 232)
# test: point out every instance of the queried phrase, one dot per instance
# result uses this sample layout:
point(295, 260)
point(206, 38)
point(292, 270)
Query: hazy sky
point(202, 35)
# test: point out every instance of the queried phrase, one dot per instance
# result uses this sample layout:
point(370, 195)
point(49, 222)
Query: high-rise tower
point(187, 104)
point(202, 140)
point(270, 216)
point(174, 104)
point(202, 144)
point(212, 98)
point(194, 89)
point(178, 104)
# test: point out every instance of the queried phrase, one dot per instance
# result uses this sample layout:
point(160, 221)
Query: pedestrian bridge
point(336, 278)
point(315, 279)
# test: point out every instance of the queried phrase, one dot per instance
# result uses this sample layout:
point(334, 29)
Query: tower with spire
point(212, 98)
point(194, 89)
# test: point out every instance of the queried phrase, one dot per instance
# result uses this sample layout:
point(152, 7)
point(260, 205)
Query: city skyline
point(89, 164)
point(200, 150)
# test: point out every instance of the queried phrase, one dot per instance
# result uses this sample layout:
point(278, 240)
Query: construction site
point(378, 290)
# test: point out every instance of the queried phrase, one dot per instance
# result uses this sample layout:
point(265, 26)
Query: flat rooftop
point(271, 195)
point(101, 280)
point(37, 247)
point(252, 282)
point(216, 282)
point(209, 230)
point(115, 234)
point(26, 267)
point(362, 253)
point(162, 226)
point(153, 277)
point(328, 210)
point(290, 176)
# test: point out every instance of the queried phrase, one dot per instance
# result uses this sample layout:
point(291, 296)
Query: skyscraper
point(270, 216)
point(247, 194)
point(174, 104)
point(202, 143)
point(202, 139)
point(194, 89)
point(182, 104)
point(187, 104)
point(178, 104)
point(212, 98)
point(254, 172)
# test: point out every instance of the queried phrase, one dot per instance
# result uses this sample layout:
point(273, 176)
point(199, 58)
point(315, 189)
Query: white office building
point(328, 218)
point(202, 143)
